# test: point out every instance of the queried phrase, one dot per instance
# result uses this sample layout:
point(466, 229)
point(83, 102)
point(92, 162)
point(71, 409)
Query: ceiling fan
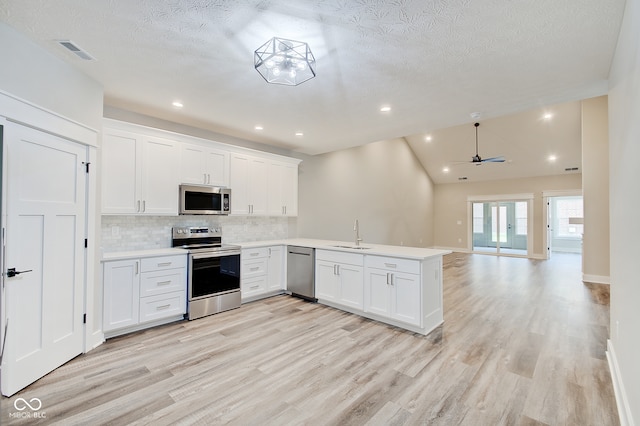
point(477, 160)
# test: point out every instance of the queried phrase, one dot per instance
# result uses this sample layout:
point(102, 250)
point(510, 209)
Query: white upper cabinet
point(160, 177)
point(122, 175)
point(143, 167)
point(283, 189)
point(140, 174)
point(249, 185)
point(203, 165)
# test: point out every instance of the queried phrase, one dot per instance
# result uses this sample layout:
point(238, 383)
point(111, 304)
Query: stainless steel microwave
point(203, 199)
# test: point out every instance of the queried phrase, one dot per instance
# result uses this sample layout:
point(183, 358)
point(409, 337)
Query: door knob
point(11, 272)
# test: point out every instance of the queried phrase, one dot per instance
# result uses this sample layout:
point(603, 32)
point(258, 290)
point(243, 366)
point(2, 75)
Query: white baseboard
point(624, 409)
point(597, 279)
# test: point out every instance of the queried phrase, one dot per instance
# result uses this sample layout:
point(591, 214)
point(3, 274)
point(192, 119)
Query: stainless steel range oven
point(213, 274)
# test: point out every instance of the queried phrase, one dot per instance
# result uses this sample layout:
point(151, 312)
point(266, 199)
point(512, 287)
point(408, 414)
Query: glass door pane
point(500, 226)
point(483, 226)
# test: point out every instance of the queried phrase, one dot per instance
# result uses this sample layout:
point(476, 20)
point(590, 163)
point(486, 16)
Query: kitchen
point(280, 228)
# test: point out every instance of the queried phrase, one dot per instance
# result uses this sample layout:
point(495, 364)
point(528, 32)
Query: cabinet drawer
point(253, 286)
point(162, 306)
point(255, 253)
point(340, 257)
point(161, 282)
point(393, 264)
point(163, 262)
point(252, 268)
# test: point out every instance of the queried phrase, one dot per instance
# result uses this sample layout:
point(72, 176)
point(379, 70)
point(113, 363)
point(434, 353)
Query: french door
point(45, 259)
point(500, 227)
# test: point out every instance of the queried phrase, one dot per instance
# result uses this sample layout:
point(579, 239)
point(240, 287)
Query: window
point(567, 208)
point(521, 218)
point(478, 218)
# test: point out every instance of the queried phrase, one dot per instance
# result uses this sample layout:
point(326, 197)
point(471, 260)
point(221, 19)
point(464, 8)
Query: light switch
point(459, 222)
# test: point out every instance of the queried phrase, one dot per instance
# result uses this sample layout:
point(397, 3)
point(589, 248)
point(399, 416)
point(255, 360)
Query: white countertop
point(375, 249)
point(143, 253)
point(371, 249)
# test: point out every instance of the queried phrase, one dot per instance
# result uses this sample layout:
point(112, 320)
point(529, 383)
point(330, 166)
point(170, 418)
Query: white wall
point(381, 184)
point(595, 189)
point(624, 154)
point(30, 73)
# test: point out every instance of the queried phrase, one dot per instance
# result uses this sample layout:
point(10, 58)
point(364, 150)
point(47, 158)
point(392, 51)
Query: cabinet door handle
point(208, 178)
point(254, 254)
point(338, 269)
point(391, 279)
point(138, 206)
point(391, 265)
point(205, 178)
point(136, 272)
point(253, 287)
point(269, 251)
point(255, 268)
point(160, 265)
point(144, 206)
point(162, 307)
point(163, 282)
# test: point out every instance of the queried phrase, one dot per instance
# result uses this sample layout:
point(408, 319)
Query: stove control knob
point(179, 230)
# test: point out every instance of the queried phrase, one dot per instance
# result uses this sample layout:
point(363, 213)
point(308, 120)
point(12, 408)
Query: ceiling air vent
point(73, 48)
point(462, 178)
point(571, 169)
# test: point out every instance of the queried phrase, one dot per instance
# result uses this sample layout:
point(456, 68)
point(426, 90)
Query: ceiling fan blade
point(499, 159)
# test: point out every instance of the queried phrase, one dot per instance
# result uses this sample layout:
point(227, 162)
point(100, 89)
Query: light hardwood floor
point(523, 343)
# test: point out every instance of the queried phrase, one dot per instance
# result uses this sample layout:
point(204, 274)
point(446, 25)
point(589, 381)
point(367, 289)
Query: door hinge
point(84, 318)
point(86, 166)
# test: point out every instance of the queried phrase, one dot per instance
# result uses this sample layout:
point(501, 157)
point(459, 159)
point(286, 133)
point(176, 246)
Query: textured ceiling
point(433, 61)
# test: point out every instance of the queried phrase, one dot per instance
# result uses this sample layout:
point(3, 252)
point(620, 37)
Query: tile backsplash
point(125, 233)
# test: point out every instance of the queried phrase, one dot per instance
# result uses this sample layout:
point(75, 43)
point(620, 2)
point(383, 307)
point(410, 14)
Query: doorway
point(500, 226)
point(565, 224)
point(44, 253)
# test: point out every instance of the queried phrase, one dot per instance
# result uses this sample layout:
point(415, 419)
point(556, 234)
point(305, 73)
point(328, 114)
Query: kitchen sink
point(353, 247)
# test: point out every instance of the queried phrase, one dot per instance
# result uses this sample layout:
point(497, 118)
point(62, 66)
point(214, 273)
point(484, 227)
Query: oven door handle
point(209, 255)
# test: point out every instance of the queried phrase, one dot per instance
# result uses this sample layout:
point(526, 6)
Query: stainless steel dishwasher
point(301, 262)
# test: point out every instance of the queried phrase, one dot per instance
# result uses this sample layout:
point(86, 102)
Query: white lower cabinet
point(340, 278)
point(143, 292)
point(262, 272)
point(393, 288)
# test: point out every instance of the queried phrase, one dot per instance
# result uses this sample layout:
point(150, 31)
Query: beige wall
point(382, 184)
point(30, 73)
point(624, 196)
point(451, 206)
point(595, 189)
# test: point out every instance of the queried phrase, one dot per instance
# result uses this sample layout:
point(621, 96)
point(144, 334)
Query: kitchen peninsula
point(397, 285)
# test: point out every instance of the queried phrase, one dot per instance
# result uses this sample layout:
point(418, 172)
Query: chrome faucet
point(356, 228)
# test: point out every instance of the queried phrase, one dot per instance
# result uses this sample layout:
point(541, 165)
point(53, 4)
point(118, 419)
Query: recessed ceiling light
point(547, 116)
point(177, 104)
point(428, 138)
point(446, 170)
point(552, 158)
point(259, 128)
point(385, 109)
point(299, 134)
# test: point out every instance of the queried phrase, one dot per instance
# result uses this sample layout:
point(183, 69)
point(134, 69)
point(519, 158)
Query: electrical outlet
point(459, 222)
point(459, 240)
point(115, 231)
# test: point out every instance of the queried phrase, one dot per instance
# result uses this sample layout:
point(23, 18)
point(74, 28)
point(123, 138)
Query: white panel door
point(45, 232)
point(327, 281)
point(217, 167)
point(275, 268)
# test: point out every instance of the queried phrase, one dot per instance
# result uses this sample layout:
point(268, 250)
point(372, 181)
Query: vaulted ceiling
point(432, 62)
